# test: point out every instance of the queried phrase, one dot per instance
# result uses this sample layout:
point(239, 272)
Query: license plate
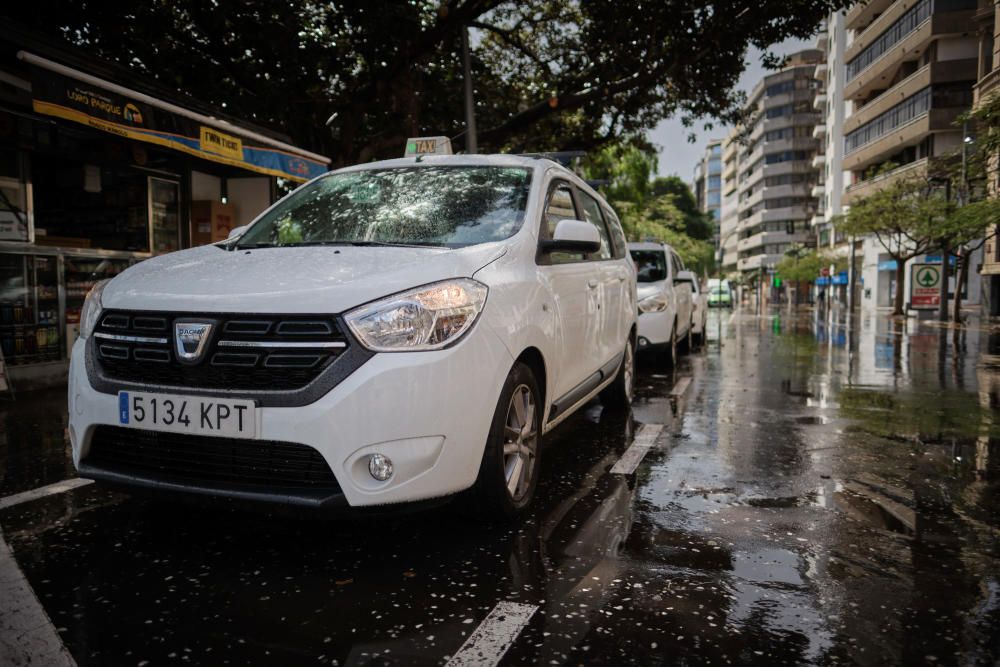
point(203, 415)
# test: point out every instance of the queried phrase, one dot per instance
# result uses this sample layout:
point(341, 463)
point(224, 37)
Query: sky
point(677, 156)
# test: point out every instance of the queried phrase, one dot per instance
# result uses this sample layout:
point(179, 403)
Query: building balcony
point(872, 185)
point(862, 13)
point(818, 190)
point(818, 161)
point(751, 263)
point(937, 72)
point(819, 131)
point(908, 134)
point(987, 84)
point(880, 72)
point(819, 101)
point(821, 71)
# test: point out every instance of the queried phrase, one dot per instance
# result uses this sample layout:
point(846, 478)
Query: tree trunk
point(897, 309)
point(963, 275)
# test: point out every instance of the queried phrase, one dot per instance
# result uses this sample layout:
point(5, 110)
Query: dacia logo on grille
point(191, 340)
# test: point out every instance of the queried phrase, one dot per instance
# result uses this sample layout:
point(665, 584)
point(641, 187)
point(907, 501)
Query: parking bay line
point(43, 491)
point(494, 636)
point(633, 456)
point(680, 387)
point(27, 635)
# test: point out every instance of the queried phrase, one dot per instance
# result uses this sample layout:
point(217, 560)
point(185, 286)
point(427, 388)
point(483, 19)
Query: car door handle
point(592, 283)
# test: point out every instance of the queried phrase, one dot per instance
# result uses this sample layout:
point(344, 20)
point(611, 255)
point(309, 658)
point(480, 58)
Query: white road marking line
point(680, 387)
point(489, 642)
point(42, 491)
point(633, 456)
point(27, 636)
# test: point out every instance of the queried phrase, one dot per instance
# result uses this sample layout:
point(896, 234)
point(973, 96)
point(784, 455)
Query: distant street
point(803, 492)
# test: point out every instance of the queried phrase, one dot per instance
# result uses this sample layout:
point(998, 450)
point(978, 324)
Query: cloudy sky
point(677, 156)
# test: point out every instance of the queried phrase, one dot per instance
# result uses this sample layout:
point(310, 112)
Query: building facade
point(708, 186)
point(909, 70)
point(986, 88)
point(99, 169)
point(728, 253)
point(776, 167)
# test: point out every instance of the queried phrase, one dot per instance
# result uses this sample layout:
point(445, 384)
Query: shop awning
point(73, 95)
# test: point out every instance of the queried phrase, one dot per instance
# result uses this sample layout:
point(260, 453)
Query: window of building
point(910, 108)
point(892, 35)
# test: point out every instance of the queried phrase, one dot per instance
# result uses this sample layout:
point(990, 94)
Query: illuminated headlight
point(91, 310)
point(653, 304)
point(425, 318)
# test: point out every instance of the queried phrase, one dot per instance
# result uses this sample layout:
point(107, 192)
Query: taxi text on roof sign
point(427, 146)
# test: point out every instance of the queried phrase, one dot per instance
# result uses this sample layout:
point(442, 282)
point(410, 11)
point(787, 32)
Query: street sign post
point(925, 286)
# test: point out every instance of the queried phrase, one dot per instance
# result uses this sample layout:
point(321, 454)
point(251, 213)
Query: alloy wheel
point(520, 443)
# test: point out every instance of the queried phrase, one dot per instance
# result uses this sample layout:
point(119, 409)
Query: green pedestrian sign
point(925, 286)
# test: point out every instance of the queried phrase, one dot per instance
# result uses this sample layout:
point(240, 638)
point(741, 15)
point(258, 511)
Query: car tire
point(670, 353)
point(508, 474)
point(689, 343)
point(619, 393)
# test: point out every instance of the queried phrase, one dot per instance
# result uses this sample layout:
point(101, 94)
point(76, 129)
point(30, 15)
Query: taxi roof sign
point(427, 146)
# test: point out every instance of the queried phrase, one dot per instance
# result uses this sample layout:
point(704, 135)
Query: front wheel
point(508, 473)
point(618, 394)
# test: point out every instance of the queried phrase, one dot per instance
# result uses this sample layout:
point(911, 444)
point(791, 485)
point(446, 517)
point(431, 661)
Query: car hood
point(645, 290)
point(325, 279)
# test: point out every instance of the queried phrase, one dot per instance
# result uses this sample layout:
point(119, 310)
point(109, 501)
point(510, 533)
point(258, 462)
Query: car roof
point(498, 160)
point(646, 245)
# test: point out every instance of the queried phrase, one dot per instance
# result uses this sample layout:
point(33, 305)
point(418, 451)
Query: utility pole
point(946, 256)
point(471, 141)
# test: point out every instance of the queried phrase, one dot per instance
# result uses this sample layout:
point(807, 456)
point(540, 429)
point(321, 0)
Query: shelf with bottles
point(30, 343)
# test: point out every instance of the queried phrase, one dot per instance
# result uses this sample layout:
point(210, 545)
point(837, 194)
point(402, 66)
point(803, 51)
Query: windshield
point(434, 206)
point(651, 265)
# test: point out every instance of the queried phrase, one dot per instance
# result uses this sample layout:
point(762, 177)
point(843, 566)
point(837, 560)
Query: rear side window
point(592, 214)
point(560, 207)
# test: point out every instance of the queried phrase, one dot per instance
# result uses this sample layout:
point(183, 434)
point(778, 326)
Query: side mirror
point(573, 236)
point(236, 232)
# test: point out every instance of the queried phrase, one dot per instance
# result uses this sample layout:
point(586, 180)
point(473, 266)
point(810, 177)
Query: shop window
point(13, 197)
point(29, 309)
point(163, 197)
point(84, 205)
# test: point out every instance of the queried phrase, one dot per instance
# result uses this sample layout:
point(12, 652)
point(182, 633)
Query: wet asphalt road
point(820, 494)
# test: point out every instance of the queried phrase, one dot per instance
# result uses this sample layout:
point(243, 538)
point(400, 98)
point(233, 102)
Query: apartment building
point(776, 167)
point(728, 254)
point(987, 18)
point(909, 71)
point(708, 185)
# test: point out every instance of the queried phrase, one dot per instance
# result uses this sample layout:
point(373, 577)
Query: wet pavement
point(820, 494)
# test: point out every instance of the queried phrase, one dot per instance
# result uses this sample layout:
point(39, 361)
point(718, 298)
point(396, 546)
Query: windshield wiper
point(386, 244)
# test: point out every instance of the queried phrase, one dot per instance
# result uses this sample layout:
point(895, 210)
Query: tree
point(804, 265)
point(697, 223)
point(902, 217)
point(549, 74)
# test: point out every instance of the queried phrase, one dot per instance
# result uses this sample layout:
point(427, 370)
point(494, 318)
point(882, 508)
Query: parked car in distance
point(665, 305)
point(719, 293)
point(699, 308)
point(387, 333)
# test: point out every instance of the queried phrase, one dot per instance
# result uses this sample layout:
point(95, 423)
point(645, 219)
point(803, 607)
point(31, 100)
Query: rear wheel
point(508, 473)
point(619, 393)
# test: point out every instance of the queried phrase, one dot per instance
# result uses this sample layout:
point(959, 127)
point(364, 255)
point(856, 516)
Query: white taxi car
point(392, 332)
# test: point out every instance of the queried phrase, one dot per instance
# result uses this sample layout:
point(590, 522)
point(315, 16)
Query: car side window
point(560, 206)
point(678, 265)
point(592, 214)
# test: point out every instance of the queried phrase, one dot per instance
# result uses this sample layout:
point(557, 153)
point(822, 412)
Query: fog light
point(380, 467)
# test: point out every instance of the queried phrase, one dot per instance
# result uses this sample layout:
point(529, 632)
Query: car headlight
point(653, 304)
point(91, 310)
point(426, 318)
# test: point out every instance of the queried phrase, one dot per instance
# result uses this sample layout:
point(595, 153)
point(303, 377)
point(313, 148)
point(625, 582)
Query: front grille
point(244, 352)
point(195, 459)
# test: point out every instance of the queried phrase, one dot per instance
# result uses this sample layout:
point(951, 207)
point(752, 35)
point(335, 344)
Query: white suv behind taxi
point(391, 332)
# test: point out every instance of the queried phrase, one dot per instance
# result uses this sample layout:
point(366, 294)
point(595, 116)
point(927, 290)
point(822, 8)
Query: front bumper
point(430, 412)
point(655, 328)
